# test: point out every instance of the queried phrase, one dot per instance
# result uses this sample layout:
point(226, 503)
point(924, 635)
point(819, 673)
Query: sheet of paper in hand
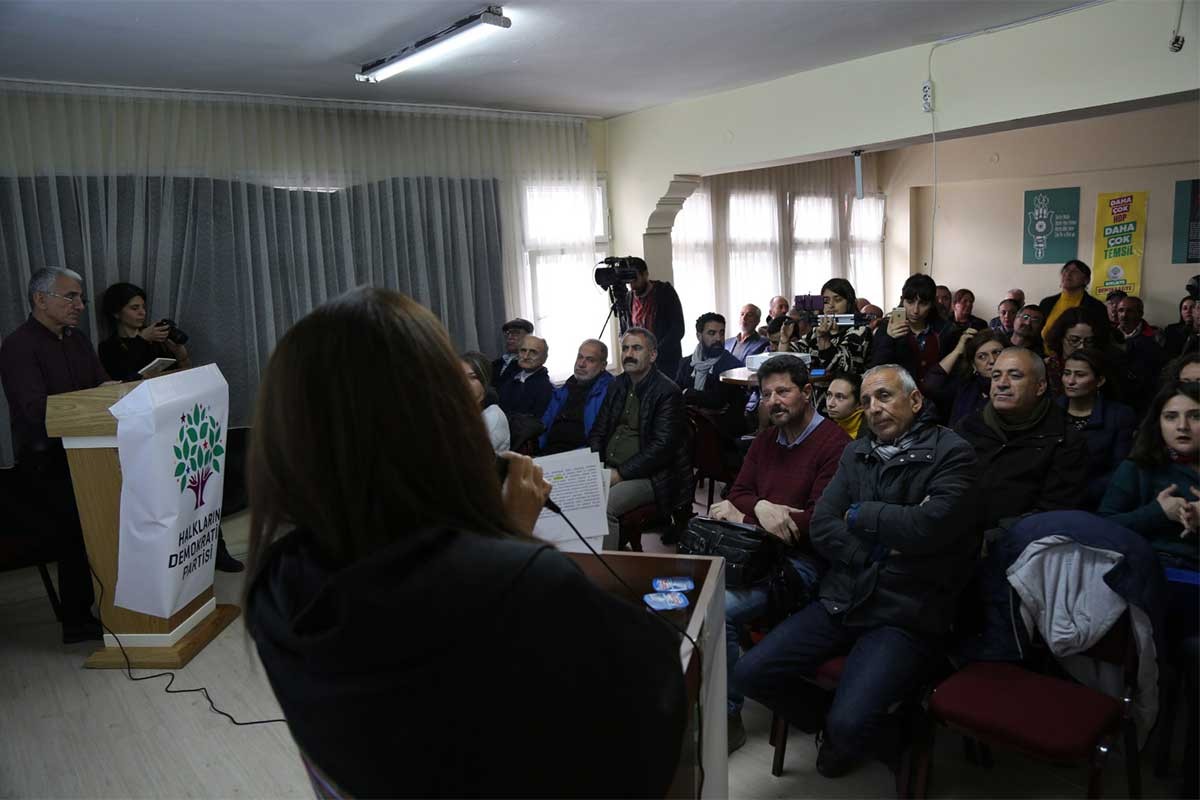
point(171, 443)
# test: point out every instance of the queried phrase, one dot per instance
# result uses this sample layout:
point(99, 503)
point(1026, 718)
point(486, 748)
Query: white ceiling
point(603, 57)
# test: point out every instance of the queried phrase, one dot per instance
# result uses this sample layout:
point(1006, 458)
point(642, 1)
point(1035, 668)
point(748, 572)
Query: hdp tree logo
point(199, 451)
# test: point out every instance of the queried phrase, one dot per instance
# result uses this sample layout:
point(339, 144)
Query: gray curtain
point(235, 264)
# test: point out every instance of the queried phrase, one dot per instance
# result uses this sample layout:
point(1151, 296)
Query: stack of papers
point(580, 488)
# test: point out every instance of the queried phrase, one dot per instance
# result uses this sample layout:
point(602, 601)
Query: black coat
point(442, 664)
point(1090, 303)
point(727, 398)
point(909, 548)
point(668, 326)
point(665, 456)
point(1042, 469)
point(529, 397)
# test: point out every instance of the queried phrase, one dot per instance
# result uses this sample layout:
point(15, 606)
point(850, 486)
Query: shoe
point(87, 630)
point(225, 561)
point(831, 763)
point(736, 731)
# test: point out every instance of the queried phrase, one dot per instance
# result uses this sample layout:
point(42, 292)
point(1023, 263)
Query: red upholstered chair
point(826, 677)
point(1040, 715)
point(707, 454)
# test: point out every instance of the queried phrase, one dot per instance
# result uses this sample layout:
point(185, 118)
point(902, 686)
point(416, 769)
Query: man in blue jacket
point(573, 406)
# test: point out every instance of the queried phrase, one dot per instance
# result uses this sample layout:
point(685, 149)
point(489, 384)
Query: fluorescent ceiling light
point(459, 35)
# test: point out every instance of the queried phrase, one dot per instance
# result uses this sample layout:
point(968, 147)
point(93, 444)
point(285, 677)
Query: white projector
point(755, 361)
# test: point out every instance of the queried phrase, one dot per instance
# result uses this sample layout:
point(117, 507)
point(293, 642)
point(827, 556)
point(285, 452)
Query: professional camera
point(174, 332)
point(616, 271)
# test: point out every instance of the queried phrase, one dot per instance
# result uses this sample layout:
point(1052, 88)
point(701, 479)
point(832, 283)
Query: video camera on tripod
point(614, 274)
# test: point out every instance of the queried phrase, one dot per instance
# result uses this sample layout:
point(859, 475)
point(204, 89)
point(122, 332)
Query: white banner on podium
point(171, 442)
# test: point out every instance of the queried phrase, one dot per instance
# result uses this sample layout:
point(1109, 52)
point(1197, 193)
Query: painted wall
point(1111, 53)
point(981, 186)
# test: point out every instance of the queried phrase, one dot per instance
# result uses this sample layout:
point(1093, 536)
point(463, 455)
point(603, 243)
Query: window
point(753, 236)
point(814, 231)
point(865, 268)
point(561, 243)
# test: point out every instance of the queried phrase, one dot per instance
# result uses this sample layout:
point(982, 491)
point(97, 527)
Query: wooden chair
point(1041, 715)
point(708, 458)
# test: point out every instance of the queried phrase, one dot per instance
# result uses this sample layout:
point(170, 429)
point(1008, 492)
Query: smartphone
point(897, 314)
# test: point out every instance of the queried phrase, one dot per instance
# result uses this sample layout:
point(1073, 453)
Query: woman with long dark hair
point(837, 348)
point(478, 370)
point(419, 641)
point(1075, 329)
point(132, 344)
point(1090, 400)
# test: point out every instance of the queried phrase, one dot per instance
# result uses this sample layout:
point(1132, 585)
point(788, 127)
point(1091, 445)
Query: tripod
point(618, 296)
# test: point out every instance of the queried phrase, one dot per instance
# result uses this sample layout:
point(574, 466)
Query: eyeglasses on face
point(1080, 341)
point(1029, 317)
point(70, 297)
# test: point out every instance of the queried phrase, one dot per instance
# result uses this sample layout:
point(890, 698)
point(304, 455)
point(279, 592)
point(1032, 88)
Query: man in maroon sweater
point(787, 468)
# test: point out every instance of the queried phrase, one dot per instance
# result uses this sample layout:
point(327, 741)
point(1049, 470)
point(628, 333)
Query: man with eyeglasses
point(1027, 329)
point(49, 355)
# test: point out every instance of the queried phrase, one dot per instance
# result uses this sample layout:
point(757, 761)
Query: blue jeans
point(743, 606)
point(885, 665)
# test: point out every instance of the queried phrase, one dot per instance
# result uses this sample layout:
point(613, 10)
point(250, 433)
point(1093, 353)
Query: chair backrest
point(1117, 646)
point(706, 446)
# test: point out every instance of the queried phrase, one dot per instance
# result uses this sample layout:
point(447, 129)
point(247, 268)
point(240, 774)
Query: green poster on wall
point(1051, 224)
point(1185, 238)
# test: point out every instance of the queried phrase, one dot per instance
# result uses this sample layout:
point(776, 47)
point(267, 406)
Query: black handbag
point(751, 554)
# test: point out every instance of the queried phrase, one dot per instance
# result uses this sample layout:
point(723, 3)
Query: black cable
point(657, 615)
point(169, 675)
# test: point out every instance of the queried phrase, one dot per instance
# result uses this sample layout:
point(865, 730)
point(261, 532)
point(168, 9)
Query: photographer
point(655, 306)
point(838, 347)
point(133, 344)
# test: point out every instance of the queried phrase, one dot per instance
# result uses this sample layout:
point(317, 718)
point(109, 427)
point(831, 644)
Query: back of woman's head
point(1149, 447)
point(116, 297)
point(365, 429)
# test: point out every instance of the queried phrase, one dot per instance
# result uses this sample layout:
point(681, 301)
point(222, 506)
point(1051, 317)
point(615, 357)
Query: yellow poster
point(1120, 243)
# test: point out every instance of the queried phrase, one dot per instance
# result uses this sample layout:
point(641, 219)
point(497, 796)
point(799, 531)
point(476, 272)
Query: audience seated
point(748, 342)
point(918, 338)
point(700, 378)
point(778, 308)
point(505, 367)
point(1184, 368)
point(1027, 329)
point(1144, 355)
point(1006, 315)
point(479, 381)
point(1073, 278)
point(894, 527)
point(505, 637)
point(964, 304)
point(654, 305)
point(837, 348)
point(574, 405)
point(797, 324)
point(842, 403)
point(641, 435)
point(787, 468)
point(1176, 334)
point(873, 316)
point(1029, 458)
point(961, 382)
point(1106, 424)
point(528, 391)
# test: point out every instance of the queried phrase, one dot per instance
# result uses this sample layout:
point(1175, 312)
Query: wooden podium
point(704, 672)
point(89, 434)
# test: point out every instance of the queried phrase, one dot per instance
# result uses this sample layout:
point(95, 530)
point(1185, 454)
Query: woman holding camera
point(133, 344)
point(838, 348)
point(420, 641)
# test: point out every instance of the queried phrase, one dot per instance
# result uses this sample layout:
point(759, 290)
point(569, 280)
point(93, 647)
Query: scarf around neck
point(1006, 425)
point(702, 366)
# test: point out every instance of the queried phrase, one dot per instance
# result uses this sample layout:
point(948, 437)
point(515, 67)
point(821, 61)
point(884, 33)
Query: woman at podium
point(419, 641)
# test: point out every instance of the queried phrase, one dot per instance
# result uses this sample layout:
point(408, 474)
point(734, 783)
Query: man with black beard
point(699, 377)
point(574, 405)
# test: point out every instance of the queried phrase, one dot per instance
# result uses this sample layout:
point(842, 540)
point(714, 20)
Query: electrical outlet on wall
point(927, 96)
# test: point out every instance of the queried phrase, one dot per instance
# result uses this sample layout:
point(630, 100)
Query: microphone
point(502, 471)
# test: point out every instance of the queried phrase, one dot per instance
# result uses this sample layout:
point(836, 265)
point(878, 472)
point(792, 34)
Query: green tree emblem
point(199, 451)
